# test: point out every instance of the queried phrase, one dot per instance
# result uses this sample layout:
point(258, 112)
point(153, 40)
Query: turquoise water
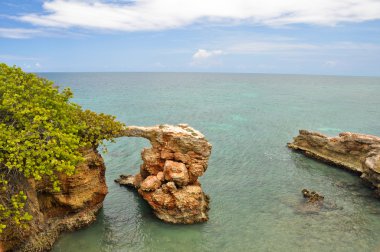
point(254, 181)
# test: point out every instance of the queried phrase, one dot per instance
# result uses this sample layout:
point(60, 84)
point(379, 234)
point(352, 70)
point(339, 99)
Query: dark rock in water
point(126, 180)
point(341, 184)
point(312, 197)
point(314, 203)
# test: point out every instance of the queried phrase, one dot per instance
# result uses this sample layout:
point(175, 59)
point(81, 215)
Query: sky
point(329, 37)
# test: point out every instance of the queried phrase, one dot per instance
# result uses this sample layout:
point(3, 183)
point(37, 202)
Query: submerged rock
point(312, 197)
point(315, 203)
point(358, 153)
point(168, 177)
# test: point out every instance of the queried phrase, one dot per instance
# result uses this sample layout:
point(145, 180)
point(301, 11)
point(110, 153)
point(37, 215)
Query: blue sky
point(339, 37)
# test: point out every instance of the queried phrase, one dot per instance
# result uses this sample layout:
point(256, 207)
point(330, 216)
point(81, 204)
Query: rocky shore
point(168, 177)
point(74, 207)
point(168, 181)
point(358, 153)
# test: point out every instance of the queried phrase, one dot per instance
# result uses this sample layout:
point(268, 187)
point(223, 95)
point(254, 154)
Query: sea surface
point(253, 179)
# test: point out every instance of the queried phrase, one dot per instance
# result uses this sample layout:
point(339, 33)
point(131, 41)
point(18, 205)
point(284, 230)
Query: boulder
point(150, 183)
point(176, 172)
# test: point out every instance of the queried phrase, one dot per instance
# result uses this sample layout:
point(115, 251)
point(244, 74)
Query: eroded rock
point(314, 203)
point(74, 207)
point(150, 183)
point(168, 178)
point(311, 196)
point(176, 172)
point(359, 153)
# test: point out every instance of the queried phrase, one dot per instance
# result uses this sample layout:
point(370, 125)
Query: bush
point(42, 133)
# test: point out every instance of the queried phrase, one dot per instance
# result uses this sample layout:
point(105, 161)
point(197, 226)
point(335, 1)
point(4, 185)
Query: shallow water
point(254, 181)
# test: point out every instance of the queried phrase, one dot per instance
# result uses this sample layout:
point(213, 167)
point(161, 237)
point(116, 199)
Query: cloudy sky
point(339, 37)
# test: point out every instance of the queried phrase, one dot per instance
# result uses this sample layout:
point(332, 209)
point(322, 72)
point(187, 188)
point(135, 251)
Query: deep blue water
point(254, 181)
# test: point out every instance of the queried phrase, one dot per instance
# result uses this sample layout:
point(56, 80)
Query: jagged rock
point(150, 183)
point(315, 203)
point(312, 204)
point(312, 196)
point(127, 180)
point(359, 153)
point(176, 172)
point(161, 176)
point(74, 207)
point(170, 170)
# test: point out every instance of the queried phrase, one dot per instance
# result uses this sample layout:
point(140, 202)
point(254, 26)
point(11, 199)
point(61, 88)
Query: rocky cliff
point(356, 152)
point(168, 181)
point(75, 206)
point(168, 177)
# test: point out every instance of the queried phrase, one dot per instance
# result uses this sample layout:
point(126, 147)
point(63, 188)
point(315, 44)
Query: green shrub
point(41, 135)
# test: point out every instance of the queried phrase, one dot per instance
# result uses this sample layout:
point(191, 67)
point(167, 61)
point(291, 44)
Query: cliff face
point(168, 177)
point(356, 152)
point(75, 206)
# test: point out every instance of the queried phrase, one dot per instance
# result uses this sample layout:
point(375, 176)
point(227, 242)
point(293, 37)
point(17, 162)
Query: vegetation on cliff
point(42, 134)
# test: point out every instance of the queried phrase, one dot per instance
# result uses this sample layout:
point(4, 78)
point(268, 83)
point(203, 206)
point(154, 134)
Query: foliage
point(99, 127)
point(42, 133)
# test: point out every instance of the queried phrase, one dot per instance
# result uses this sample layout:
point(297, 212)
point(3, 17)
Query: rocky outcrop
point(314, 203)
point(168, 177)
point(168, 180)
point(74, 207)
point(356, 152)
point(311, 196)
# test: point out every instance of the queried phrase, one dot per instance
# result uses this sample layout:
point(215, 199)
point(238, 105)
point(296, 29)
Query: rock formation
point(356, 152)
point(314, 203)
point(168, 177)
point(168, 180)
point(75, 206)
point(311, 196)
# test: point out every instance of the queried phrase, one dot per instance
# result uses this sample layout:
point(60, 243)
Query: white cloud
point(206, 58)
point(286, 49)
point(204, 54)
point(16, 33)
point(167, 14)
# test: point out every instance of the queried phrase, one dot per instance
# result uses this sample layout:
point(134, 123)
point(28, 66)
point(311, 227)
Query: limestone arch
point(168, 177)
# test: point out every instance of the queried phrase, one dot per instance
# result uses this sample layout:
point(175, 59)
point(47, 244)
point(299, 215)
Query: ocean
point(253, 179)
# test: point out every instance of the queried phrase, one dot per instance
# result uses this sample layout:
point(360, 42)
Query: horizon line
point(204, 72)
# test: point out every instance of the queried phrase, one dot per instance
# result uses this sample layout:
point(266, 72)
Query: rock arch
point(168, 181)
point(168, 177)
